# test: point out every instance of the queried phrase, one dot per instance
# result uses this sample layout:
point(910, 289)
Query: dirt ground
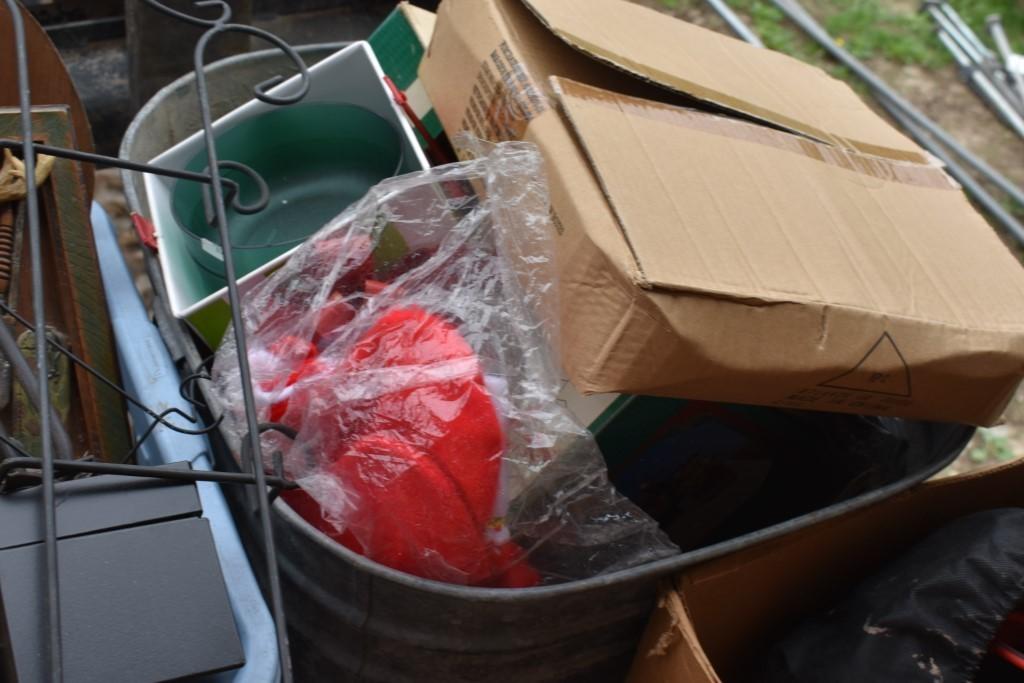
point(938, 92)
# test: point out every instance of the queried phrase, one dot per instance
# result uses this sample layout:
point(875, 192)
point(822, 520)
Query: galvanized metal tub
point(353, 620)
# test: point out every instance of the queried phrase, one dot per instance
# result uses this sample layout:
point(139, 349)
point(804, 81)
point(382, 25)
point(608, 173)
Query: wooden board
point(75, 301)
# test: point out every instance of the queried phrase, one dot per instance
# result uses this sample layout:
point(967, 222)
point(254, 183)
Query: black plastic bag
point(927, 617)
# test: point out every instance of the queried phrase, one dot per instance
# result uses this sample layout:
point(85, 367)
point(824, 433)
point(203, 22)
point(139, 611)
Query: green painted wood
point(25, 425)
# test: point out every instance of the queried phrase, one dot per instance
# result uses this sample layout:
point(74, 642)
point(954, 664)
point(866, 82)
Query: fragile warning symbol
point(882, 370)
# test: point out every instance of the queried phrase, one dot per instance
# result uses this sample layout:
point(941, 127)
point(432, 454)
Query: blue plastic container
point(149, 373)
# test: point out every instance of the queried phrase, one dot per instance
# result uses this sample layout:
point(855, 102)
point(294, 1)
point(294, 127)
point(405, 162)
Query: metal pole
point(213, 28)
point(983, 86)
point(735, 23)
point(968, 46)
point(169, 474)
point(52, 615)
point(238, 326)
point(154, 46)
point(973, 188)
point(979, 69)
point(965, 30)
point(880, 89)
point(1010, 60)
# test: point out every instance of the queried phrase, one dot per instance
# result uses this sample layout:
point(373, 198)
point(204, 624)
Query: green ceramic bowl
point(316, 159)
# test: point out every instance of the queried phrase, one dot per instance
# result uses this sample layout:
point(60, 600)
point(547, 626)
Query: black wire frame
point(220, 188)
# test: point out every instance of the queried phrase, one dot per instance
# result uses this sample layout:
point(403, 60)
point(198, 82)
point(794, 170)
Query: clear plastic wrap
point(408, 343)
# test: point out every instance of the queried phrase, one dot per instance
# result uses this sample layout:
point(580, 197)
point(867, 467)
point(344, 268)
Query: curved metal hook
point(262, 428)
point(252, 439)
point(160, 419)
point(186, 392)
point(260, 91)
point(234, 192)
point(225, 12)
point(261, 186)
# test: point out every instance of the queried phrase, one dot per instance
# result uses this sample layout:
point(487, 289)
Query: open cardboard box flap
point(711, 67)
point(734, 225)
point(803, 221)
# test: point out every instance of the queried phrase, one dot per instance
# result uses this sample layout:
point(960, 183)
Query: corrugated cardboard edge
point(675, 84)
point(420, 20)
point(558, 85)
point(670, 651)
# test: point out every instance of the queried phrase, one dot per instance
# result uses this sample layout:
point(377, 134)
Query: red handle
point(434, 150)
point(145, 230)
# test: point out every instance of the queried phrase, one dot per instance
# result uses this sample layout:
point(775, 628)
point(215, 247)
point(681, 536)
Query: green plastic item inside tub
point(316, 160)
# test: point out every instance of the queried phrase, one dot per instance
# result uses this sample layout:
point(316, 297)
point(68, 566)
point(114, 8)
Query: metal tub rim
point(178, 337)
point(655, 570)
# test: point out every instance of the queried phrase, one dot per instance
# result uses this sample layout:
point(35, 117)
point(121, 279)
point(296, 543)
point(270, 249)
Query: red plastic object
point(1009, 641)
point(437, 154)
point(1009, 654)
point(420, 458)
point(145, 230)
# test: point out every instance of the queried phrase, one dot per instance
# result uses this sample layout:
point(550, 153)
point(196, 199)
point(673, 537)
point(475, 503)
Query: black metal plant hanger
point(47, 464)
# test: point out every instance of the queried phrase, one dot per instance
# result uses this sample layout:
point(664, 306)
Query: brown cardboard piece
point(712, 624)
point(789, 249)
point(766, 85)
point(421, 21)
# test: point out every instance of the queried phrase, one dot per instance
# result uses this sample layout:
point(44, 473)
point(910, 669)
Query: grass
point(778, 34)
point(872, 28)
point(868, 29)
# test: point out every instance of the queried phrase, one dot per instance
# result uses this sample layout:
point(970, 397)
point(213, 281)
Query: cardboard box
point(714, 622)
point(775, 243)
point(400, 43)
